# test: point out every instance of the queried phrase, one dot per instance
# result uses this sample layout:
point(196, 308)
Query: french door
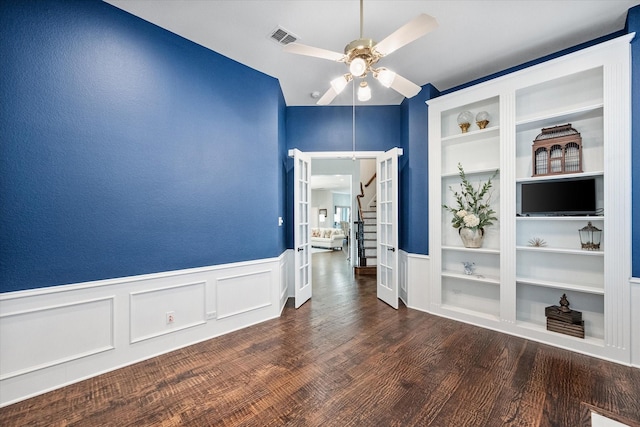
point(387, 226)
point(302, 230)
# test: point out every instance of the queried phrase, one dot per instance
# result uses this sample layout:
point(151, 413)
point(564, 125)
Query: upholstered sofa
point(328, 238)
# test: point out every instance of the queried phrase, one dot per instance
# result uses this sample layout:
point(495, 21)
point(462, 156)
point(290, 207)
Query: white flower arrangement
point(473, 208)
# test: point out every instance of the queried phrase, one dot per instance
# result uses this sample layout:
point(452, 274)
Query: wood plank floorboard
point(347, 359)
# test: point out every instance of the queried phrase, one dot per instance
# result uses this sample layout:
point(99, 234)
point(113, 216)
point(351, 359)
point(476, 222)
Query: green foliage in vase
point(473, 205)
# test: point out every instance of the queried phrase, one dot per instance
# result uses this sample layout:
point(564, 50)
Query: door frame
point(341, 155)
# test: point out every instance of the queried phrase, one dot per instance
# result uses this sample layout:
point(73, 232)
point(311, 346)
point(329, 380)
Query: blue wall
point(330, 128)
point(414, 173)
point(633, 24)
point(128, 150)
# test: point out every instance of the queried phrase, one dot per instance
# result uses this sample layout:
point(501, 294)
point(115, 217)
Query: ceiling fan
point(362, 54)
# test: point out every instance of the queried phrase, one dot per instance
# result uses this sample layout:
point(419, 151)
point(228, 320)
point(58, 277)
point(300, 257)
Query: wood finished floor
point(346, 359)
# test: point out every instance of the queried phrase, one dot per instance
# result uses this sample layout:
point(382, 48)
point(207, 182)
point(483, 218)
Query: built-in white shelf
point(472, 250)
point(560, 176)
point(565, 251)
point(588, 89)
point(542, 330)
point(472, 277)
point(484, 133)
point(473, 172)
point(468, 312)
point(558, 285)
point(560, 218)
point(554, 118)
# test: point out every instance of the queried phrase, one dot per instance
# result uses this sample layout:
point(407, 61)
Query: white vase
point(471, 237)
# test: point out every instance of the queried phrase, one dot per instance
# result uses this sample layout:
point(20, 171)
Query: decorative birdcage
point(557, 150)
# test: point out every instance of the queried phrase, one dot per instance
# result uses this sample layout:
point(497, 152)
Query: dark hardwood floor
point(347, 359)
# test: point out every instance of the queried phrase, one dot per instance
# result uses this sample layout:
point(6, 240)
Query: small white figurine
point(469, 267)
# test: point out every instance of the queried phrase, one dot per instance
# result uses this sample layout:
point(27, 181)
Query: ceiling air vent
point(282, 36)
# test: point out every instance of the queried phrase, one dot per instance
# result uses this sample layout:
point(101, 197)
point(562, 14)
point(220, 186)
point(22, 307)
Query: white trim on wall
point(56, 336)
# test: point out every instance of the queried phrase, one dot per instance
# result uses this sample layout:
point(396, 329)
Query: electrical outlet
point(171, 317)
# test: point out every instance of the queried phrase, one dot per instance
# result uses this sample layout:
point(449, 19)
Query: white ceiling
point(333, 183)
point(475, 38)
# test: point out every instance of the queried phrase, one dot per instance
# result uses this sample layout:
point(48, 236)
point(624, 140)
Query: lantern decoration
point(482, 119)
point(590, 237)
point(557, 150)
point(464, 120)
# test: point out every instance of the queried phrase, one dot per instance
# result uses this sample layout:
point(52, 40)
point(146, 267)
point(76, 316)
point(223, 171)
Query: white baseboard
point(56, 336)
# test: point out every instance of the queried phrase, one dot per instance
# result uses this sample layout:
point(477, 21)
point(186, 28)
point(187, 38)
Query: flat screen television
point(563, 197)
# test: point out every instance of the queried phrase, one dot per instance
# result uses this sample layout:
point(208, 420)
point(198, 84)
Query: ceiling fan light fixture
point(358, 67)
point(339, 83)
point(364, 92)
point(385, 76)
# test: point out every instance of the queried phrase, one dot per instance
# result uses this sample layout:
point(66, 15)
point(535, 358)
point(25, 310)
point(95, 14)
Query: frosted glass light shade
point(358, 67)
point(364, 92)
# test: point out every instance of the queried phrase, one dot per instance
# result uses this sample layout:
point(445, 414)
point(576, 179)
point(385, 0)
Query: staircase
point(369, 238)
point(367, 235)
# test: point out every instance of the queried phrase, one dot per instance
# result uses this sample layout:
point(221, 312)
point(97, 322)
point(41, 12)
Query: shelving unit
point(513, 281)
point(545, 274)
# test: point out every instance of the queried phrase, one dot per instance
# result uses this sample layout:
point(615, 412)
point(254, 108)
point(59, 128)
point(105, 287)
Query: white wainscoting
point(287, 279)
point(635, 322)
point(403, 277)
point(87, 326)
point(59, 335)
point(148, 310)
point(417, 274)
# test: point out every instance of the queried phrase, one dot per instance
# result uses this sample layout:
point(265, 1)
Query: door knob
point(391, 249)
point(300, 249)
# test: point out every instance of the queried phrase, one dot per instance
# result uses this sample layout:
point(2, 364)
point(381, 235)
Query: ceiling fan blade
point(316, 52)
point(398, 83)
point(412, 30)
point(328, 96)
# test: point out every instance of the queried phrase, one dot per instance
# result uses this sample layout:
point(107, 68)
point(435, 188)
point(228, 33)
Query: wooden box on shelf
point(557, 150)
point(565, 322)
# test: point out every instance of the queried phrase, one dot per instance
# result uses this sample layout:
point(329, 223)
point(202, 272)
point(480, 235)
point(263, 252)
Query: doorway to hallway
point(386, 166)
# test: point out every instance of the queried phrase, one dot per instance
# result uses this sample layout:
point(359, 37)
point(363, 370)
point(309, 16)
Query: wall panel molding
point(60, 335)
point(418, 290)
point(148, 310)
point(30, 336)
point(255, 287)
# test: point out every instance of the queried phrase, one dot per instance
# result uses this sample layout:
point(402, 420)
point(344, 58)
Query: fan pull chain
point(353, 119)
